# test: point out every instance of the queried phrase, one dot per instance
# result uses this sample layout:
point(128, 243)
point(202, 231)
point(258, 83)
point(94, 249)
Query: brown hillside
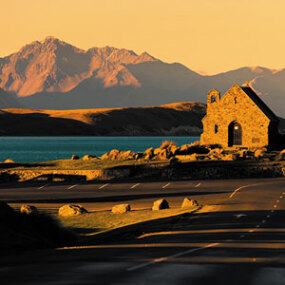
point(170, 119)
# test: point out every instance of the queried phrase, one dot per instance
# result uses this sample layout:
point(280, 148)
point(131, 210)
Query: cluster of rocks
point(167, 150)
point(189, 152)
point(72, 210)
point(85, 157)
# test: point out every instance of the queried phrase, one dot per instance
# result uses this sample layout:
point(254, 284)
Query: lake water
point(35, 149)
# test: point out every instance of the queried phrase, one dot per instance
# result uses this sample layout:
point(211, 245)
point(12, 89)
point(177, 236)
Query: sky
point(208, 36)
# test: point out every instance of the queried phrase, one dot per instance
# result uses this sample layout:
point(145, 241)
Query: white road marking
point(268, 216)
point(166, 185)
point(197, 185)
point(158, 260)
point(134, 186)
point(72, 186)
point(242, 187)
point(272, 211)
point(257, 226)
point(263, 221)
point(240, 215)
point(43, 186)
point(101, 187)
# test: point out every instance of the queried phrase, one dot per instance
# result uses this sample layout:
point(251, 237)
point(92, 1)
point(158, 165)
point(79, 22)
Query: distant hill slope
point(52, 74)
point(8, 101)
point(172, 119)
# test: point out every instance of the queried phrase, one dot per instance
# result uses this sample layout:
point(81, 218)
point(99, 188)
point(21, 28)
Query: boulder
point(121, 209)
point(217, 151)
point(74, 157)
point(282, 154)
point(244, 153)
point(259, 153)
point(113, 154)
point(89, 157)
point(160, 205)
point(174, 150)
point(71, 210)
point(9, 160)
point(105, 156)
point(124, 155)
point(188, 203)
point(163, 154)
point(230, 157)
point(29, 209)
point(184, 148)
point(167, 145)
point(156, 151)
point(149, 153)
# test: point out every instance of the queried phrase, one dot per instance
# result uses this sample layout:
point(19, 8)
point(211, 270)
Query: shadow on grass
point(59, 178)
point(24, 165)
point(20, 231)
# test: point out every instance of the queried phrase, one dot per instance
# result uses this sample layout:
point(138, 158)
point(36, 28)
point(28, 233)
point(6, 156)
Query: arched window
point(216, 129)
point(235, 100)
point(213, 98)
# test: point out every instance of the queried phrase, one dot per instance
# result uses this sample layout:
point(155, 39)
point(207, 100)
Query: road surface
point(238, 238)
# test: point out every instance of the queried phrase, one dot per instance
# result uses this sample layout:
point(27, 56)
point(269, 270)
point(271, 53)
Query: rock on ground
point(9, 160)
point(74, 157)
point(259, 153)
point(120, 209)
point(160, 205)
point(89, 157)
point(28, 209)
point(189, 203)
point(149, 153)
point(71, 210)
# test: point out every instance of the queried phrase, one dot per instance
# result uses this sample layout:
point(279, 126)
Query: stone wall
point(64, 175)
point(235, 105)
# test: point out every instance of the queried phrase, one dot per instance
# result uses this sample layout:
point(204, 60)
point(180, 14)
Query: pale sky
point(205, 35)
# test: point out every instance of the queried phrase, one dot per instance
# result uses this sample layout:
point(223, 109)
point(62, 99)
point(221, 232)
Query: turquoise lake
point(35, 149)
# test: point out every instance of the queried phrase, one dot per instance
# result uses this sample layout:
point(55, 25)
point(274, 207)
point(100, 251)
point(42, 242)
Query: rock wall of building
point(236, 106)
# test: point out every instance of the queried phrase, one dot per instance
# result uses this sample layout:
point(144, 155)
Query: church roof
point(260, 104)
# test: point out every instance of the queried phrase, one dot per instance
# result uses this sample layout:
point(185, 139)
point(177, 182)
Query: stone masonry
point(239, 110)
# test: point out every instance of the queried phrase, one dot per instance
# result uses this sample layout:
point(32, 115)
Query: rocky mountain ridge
point(52, 74)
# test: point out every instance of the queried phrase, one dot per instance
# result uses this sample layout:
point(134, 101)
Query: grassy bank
point(105, 220)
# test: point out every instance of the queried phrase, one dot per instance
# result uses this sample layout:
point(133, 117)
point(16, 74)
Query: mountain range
point(52, 74)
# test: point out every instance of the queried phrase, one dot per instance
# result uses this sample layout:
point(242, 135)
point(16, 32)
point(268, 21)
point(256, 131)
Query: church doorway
point(234, 134)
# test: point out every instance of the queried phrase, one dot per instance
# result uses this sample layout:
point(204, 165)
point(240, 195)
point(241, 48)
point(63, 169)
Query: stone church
point(238, 119)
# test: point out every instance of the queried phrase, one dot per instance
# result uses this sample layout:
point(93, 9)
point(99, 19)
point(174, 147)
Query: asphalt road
point(237, 238)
